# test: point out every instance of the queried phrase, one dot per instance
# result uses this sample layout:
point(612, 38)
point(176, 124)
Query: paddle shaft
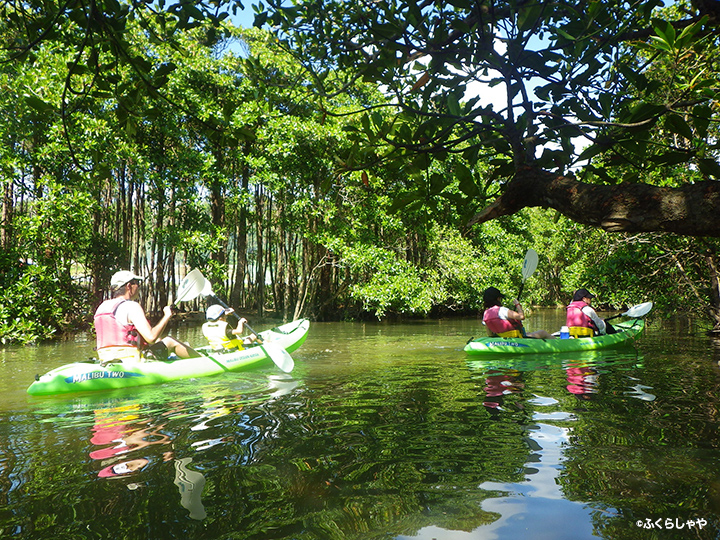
point(519, 294)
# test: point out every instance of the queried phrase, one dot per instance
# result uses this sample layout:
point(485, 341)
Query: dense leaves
point(306, 182)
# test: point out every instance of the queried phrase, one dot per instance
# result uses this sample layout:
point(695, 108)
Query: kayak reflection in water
point(504, 322)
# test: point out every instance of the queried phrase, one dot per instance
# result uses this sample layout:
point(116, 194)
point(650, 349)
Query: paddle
point(280, 357)
point(529, 265)
point(635, 312)
point(190, 287)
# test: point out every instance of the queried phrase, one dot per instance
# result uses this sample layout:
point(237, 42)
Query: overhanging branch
point(689, 210)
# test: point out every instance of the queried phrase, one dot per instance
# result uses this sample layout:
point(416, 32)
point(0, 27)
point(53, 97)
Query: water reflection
point(190, 484)
point(381, 431)
point(498, 385)
point(582, 379)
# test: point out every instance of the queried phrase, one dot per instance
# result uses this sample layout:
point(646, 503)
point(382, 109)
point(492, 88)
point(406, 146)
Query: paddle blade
point(639, 310)
point(529, 264)
point(207, 289)
point(280, 357)
point(190, 287)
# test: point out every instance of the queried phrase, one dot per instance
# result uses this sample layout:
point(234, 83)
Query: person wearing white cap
point(123, 330)
point(220, 334)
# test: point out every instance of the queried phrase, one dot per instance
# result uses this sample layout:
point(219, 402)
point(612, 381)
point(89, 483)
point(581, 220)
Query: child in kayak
point(220, 334)
point(505, 322)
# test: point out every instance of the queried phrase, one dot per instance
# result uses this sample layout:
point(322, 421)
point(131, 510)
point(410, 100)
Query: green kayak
point(88, 376)
point(496, 345)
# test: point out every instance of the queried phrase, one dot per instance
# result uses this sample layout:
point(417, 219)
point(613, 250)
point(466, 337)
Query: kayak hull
point(89, 377)
point(626, 331)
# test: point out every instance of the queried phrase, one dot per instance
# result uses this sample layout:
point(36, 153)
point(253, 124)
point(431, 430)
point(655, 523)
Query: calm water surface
point(382, 431)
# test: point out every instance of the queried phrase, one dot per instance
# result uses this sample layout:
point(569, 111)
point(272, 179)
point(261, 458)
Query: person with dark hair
point(123, 330)
point(582, 320)
point(505, 322)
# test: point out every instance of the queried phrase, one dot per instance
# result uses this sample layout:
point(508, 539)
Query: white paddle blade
point(280, 357)
point(207, 289)
point(190, 287)
point(639, 310)
point(529, 264)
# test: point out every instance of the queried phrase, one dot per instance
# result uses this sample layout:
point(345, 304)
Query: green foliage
point(58, 229)
point(35, 304)
point(243, 164)
point(394, 285)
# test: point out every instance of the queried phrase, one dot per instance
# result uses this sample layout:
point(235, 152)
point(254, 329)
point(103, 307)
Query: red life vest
point(496, 325)
point(576, 317)
point(110, 333)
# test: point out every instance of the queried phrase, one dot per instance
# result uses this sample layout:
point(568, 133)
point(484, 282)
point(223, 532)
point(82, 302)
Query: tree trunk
point(238, 294)
point(260, 254)
point(690, 210)
point(714, 291)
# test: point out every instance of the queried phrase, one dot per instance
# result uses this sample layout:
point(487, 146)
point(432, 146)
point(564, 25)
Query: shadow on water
point(381, 431)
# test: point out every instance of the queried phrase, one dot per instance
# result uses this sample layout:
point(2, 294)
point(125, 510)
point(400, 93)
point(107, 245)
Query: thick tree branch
point(690, 210)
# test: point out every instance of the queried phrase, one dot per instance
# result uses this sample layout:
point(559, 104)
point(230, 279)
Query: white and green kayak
point(88, 376)
point(512, 346)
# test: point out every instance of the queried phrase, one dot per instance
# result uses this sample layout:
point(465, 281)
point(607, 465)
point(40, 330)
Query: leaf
point(665, 33)
point(422, 81)
point(709, 167)
point(676, 124)
point(437, 183)
point(529, 15)
point(646, 111)
point(466, 183)
point(671, 158)
point(38, 104)
point(365, 179)
point(453, 105)
point(701, 119)
point(403, 200)
point(165, 69)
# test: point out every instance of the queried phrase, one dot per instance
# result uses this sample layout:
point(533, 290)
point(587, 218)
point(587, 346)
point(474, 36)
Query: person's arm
point(151, 334)
point(240, 328)
point(518, 314)
point(599, 323)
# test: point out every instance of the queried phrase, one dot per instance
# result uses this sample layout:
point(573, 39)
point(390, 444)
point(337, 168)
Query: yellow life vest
point(216, 332)
point(511, 333)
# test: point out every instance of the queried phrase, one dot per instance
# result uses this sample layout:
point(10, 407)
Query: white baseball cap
point(214, 312)
point(122, 277)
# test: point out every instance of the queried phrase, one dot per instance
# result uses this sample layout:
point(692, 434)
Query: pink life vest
point(497, 325)
point(576, 317)
point(110, 333)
